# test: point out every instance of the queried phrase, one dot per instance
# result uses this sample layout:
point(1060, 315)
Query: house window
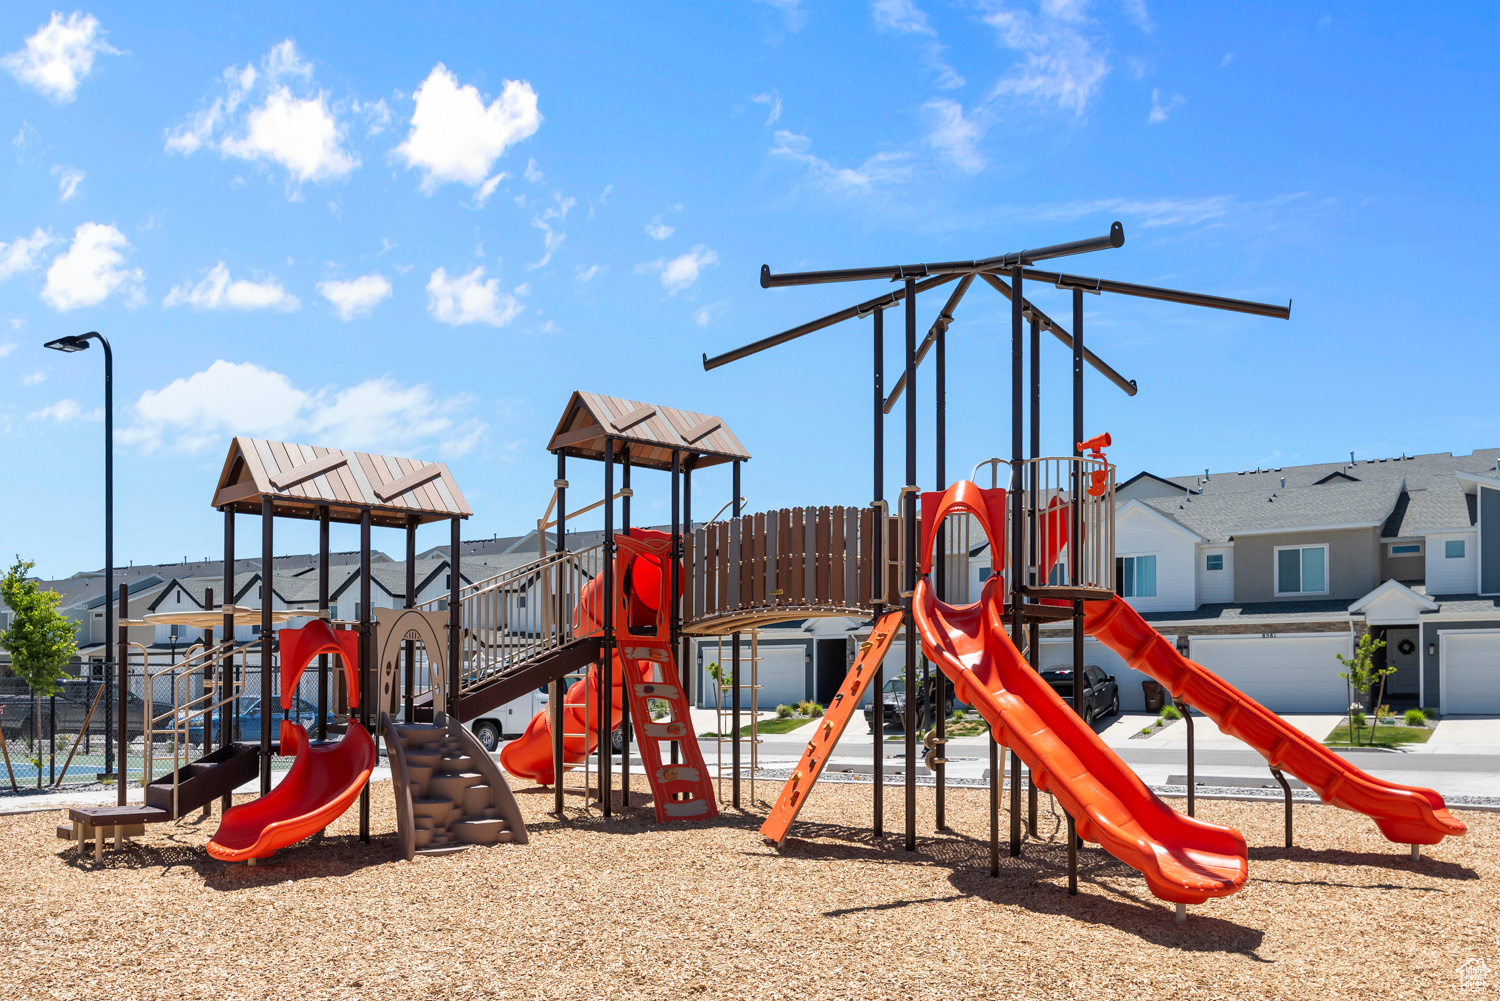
point(255, 630)
point(1406, 549)
point(1135, 576)
point(1215, 561)
point(4, 621)
point(1453, 549)
point(1302, 570)
point(984, 574)
point(521, 601)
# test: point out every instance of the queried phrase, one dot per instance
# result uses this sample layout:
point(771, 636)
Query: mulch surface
point(622, 908)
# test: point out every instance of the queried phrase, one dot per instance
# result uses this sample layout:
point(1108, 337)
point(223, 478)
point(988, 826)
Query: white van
point(508, 721)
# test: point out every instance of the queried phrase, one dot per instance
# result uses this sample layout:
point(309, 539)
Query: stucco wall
point(1353, 560)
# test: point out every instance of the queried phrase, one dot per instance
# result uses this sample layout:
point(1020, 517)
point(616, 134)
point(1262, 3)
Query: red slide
point(1184, 860)
point(323, 782)
point(530, 756)
point(1404, 814)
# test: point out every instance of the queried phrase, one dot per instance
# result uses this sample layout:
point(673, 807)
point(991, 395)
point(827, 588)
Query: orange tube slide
point(1184, 860)
point(530, 756)
point(1404, 814)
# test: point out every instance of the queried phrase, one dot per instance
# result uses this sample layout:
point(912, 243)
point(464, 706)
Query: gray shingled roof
point(1218, 517)
point(1437, 499)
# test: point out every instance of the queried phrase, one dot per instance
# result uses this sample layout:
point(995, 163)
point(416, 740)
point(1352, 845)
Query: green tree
point(1361, 674)
point(41, 640)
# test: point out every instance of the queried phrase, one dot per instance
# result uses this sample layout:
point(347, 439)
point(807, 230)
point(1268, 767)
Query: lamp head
point(69, 344)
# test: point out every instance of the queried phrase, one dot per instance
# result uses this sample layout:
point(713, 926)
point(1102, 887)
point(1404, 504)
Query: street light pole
point(69, 345)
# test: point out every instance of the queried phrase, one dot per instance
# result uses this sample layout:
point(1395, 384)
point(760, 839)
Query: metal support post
point(605, 675)
point(734, 671)
point(122, 658)
point(230, 717)
point(1075, 558)
point(267, 689)
point(625, 722)
point(366, 655)
point(557, 688)
point(1017, 535)
point(409, 682)
point(676, 577)
point(909, 584)
point(1192, 785)
point(940, 576)
point(880, 572)
point(324, 516)
point(1286, 791)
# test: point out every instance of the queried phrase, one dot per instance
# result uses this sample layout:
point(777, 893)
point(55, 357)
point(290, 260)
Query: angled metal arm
point(869, 306)
point(1029, 311)
point(899, 272)
point(942, 322)
point(1165, 294)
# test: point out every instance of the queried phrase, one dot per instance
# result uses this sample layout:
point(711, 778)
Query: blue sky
point(418, 230)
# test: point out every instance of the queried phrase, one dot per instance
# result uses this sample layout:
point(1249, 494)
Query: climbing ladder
point(871, 652)
point(681, 791)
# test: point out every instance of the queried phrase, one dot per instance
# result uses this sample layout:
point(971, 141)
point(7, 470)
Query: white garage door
point(1471, 672)
point(1286, 674)
point(782, 675)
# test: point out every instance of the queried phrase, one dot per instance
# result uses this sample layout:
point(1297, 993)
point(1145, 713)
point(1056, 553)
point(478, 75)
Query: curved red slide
point(1184, 860)
point(1404, 814)
point(323, 782)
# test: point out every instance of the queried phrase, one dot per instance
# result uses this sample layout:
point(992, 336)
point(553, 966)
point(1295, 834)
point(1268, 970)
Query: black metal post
point(1017, 521)
point(229, 721)
point(676, 577)
point(409, 682)
point(909, 584)
point(1037, 574)
point(940, 574)
point(1286, 792)
point(555, 697)
point(1075, 555)
point(208, 678)
point(366, 655)
point(324, 517)
point(453, 704)
point(994, 802)
point(604, 677)
point(734, 669)
point(1187, 717)
point(879, 572)
point(624, 696)
point(267, 684)
point(683, 607)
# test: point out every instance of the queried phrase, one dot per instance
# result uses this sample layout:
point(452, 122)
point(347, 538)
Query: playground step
point(451, 785)
point(452, 763)
point(680, 791)
point(437, 810)
point(476, 799)
point(480, 831)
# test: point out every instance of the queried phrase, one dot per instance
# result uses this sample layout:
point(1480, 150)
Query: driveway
point(1463, 735)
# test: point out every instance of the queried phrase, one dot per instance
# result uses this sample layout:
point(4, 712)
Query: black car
point(893, 696)
point(73, 701)
point(1101, 695)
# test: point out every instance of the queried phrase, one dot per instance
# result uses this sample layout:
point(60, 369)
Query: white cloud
point(300, 130)
point(900, 15)
point(1150, 213)
point(377, 115)
point(65, 412)
point(547, 222)
point(34, 379)
point(773, 101)
point(1228, 58)
point(1062, 65)
point(68, 179)
point(880, 170)
point(89, 271)
point(1159, 111)
point(682, 271)
point(658, 230)
point(201, 411)
point(469, 298)
point(954, 135)
point(792, 14)
point(583, 274)
point(455, 137)
point(705, 314)
point(533, 172)
point(948, 78)
point(58, 57)
point(357, 297)
point(218, 291)
point(21, 253)
point(1139, 15)
point(6, 349)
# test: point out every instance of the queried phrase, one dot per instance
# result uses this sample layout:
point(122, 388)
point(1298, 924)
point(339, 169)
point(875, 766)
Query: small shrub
point(1415, 717)
point(958, 714)
point(1429, 712)
point(1171, 712)
point(814, 710)
point(783, 711)
point(1359, 719)
point(1147, 729)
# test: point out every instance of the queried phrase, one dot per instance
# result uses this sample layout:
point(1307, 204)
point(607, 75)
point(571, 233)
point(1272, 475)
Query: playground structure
point(619, 617)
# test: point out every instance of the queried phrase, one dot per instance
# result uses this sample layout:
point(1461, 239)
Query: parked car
point(1101, 694)
point(893, 697)
point(73, 701)
point(247, 721)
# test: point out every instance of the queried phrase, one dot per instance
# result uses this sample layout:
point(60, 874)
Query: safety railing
point(1050, 487)
point(521, 615)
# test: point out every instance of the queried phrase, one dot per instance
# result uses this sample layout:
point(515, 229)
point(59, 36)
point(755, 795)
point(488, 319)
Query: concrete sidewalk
point(1463, 735)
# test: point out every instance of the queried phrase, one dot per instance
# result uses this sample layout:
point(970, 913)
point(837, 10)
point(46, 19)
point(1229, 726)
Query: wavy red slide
point(530, 755)
point(324, 780)
point(1404, 814)
point(1184, 860)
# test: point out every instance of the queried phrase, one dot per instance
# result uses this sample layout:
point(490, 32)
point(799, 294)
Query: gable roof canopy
point(651, 433)
point(301, 479)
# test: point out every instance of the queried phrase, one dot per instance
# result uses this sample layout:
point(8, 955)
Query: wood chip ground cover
point(623, 908)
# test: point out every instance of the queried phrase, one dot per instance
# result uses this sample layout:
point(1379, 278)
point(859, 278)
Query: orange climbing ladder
point(681, 791)
point(871, 652)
